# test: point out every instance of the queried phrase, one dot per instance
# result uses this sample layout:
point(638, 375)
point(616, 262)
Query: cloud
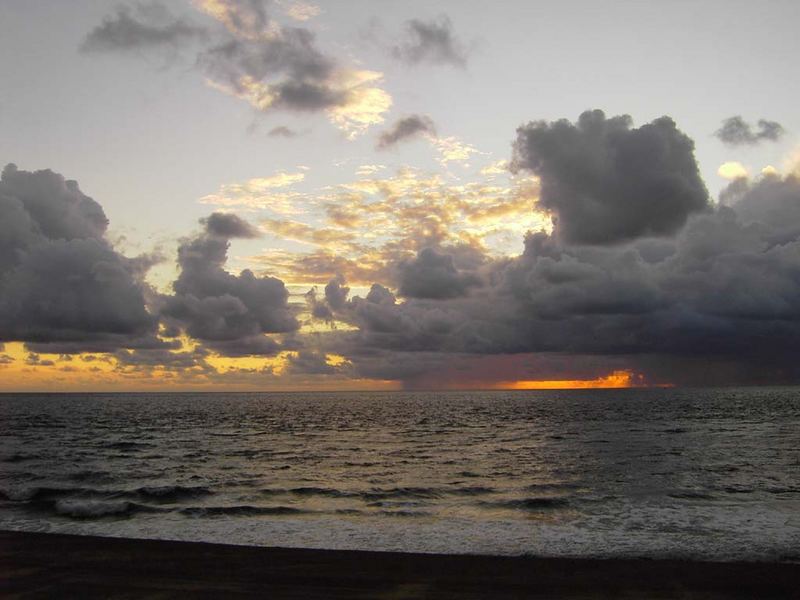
point(228, 226)
point(452, 149)
point(405, 129)
point(605, 182)
point(716, 302)
point(430, 42)
point(302, 11)
point(282, 131)
point(374, 223)
point(253, 57)
point(247, 19)
point(61, 281)
point(309, 362)
point(433, 274)
point(732, 170)
point(735, 131)
point(257, 193)
point(228, 313)
point(141, 27)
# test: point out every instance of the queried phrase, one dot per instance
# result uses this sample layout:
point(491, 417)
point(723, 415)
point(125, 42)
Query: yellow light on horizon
point(617, 379)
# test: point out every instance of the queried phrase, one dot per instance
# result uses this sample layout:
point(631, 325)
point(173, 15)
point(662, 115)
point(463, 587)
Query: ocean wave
point(691, 495)
point(403, 513)
point(93, 509)
point(167, 493)
point(172, 493)
point(18, 457)
point(242, 510)
point(36, 494)
point(530, 504)
point(127, 446)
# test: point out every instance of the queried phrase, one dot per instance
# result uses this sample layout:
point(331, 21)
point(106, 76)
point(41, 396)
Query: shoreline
point(48, 564)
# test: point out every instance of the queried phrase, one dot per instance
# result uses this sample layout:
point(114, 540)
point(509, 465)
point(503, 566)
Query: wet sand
point(36, 565)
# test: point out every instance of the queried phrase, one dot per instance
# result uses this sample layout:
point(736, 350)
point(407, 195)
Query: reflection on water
point(595, 472)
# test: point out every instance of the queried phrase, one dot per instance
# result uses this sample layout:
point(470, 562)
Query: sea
point(709, 474)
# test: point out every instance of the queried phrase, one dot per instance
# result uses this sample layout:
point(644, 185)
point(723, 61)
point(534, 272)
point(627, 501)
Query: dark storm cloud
point(229, 313)
point(335, 299)
point(430, 42)
point(716, 302)
point(605, 182)
point(142, 26)
point(62, 284)
point(771, 204)
point(405, 129)
point(735, 131)
point(433, 274)
point(336, 293)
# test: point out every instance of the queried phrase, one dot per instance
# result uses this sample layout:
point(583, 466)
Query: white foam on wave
point(84, 508)
point(729, 533)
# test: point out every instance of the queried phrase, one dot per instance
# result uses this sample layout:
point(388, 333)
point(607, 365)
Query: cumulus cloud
point(405, 129)
point(228, 313)
point(433, 274)
point(732, 170)
point(430, 42)
point(605, 182)
point(735, 131)
point(141, 27)
point(714, 302)
point(61, 280)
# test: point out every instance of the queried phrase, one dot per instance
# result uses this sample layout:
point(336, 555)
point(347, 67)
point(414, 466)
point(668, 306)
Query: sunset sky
point(281, 194)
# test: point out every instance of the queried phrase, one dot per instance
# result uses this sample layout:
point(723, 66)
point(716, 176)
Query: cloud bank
point(641, 272)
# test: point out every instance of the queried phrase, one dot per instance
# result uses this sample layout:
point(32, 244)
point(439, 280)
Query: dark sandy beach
point(34, 565)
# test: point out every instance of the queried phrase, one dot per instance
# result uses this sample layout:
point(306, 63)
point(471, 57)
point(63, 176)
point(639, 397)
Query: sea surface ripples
point(690, 473)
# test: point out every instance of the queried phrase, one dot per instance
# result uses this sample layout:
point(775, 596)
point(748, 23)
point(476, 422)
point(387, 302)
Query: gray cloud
point(140, 27)
point(605, 182)
point(226, 225)
point(716, 303)
point(309, 362)
point(430, 42)
point(405, 129)
point(735, 131)
point(61, 281)
point(248, 53)
point(229, 313)
point(282, 131)
point(292, 54)
point(432, 274)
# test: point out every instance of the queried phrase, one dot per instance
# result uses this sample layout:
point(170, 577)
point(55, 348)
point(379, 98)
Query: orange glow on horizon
point(617, 379)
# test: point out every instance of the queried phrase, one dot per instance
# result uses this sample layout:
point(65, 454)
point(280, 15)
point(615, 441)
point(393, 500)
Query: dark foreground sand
point(34, 565)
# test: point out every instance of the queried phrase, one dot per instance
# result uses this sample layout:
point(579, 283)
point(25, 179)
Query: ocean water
point(711, 474)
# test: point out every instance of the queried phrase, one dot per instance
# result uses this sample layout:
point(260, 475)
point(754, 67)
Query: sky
point(265, 194)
